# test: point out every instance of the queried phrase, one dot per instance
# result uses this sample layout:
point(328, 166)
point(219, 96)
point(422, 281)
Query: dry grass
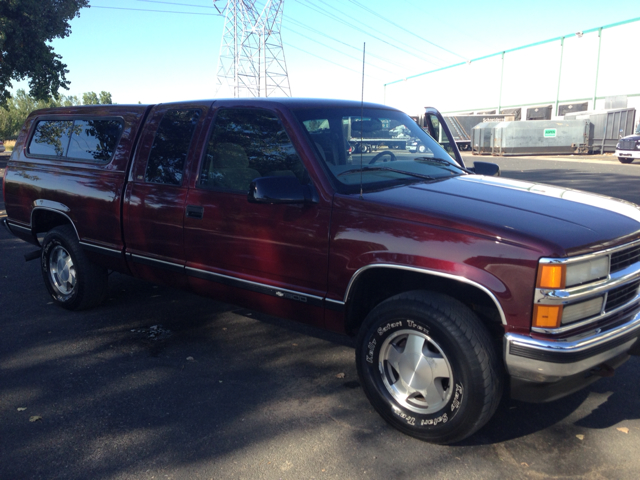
point(9, 144)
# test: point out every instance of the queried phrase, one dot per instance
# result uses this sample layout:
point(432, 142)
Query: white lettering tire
point(72, 280)
point(428, 367)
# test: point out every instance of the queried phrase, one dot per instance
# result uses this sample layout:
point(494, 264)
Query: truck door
point(157, 191)
point(439, 131)
point(270, 257)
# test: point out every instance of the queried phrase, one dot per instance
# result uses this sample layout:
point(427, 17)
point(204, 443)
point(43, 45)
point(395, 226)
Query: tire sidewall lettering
point(46, 250)
point(412, 419)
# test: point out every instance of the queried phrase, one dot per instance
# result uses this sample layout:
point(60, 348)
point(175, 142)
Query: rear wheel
point(72, 280)
point(625, 159)
point(428, 367)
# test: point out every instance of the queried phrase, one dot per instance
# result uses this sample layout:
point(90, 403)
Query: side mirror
point(486, 168)
point(285, 189)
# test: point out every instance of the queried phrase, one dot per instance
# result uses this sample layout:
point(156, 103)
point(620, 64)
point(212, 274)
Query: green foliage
point(105, 98)
point(18, 108)
point(90, 98)
point(26, 27)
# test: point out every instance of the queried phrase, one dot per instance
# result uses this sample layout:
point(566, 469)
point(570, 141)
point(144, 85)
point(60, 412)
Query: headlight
point(618, 146)
point(588, 271)
point(638, 145)
point(558, 276)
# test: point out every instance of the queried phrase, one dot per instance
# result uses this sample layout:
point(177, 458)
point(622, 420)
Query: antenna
point(364, 47)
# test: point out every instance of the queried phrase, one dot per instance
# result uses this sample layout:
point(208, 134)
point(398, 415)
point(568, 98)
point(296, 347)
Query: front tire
point(428, 367)
point(625, 159)
point(72, 280)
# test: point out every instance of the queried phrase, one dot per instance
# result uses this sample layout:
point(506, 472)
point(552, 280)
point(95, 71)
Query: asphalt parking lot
point(161, 384)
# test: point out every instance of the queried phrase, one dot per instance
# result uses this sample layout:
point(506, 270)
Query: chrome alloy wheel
point(416, 371)
point(62, 270)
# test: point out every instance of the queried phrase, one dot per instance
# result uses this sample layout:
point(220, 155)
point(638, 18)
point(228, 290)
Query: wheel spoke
point(414, 345)
point(394, 357)
point(439, 367)
point(403, 391)
point(433, 395)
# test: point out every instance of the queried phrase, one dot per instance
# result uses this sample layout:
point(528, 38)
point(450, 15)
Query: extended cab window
point(247, 144)
point(171, 146)
point(81, 139)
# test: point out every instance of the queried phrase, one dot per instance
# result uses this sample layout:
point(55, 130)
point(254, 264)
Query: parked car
point(1, 146)
point(628, 148)
point(455, 283)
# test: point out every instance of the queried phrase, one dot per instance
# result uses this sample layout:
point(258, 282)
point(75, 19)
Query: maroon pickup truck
point(457, 284)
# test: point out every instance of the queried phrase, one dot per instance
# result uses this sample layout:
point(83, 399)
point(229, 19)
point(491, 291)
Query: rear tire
point(72, 280)
point(428, 366)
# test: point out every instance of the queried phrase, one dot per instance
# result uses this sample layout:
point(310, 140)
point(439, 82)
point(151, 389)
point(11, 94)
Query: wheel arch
point(373, 284)
point(44, 219)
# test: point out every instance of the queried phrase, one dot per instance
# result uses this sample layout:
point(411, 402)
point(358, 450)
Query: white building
point(590, 70)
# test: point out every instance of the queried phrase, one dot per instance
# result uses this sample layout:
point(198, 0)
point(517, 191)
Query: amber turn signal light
point(551, 276)
point(545, 316)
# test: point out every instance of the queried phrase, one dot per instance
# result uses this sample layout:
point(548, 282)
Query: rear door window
point(171, 146)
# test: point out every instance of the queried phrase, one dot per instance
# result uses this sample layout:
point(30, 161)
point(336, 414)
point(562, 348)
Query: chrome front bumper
point(628, 153)
point(547, 361)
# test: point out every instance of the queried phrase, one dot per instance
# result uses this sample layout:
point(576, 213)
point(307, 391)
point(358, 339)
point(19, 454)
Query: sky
point(154, 51)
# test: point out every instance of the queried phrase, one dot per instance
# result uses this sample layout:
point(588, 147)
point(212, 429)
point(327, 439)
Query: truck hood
point(635, 137)
point(565, 221)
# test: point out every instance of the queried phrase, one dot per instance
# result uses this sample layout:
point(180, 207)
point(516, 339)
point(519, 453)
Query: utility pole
point(251, 62)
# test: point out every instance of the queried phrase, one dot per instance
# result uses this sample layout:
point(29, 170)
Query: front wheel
point(71, 279)
point(625, 159)
point(428, 367)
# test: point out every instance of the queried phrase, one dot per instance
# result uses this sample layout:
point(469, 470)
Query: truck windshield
point(375, 148)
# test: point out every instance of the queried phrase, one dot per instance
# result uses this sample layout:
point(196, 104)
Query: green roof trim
point(611, 25)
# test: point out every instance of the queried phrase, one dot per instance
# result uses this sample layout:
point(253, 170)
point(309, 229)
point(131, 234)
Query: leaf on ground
point(35, 418)
point(524, 464)
point(340, 375)
point(623, 429)
point(580, 437)
point(22, 409)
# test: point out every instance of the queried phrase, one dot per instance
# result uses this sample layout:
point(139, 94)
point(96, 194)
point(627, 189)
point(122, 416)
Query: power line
point(386, 42)
point(336, 50)
point(289, 19)
point(326, 60)
point(158, 11)
point(174, 3)
point(366, 9)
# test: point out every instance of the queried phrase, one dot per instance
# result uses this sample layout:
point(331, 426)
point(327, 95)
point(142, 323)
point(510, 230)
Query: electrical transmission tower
point(252, 62)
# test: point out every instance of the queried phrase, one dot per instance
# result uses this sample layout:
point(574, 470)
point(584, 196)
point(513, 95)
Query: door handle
point(194, 211)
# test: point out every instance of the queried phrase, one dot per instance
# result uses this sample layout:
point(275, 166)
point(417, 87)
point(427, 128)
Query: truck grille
point(621, 295)
point(622, 259)
point(627, 145)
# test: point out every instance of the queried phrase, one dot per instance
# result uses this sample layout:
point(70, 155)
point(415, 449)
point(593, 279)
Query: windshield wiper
point(386, 169)
point(442, 162)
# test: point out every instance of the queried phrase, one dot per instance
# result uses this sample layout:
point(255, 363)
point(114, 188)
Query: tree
point(105, 98)
point(18, 108)
point(90, 98)
point(26, 26)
